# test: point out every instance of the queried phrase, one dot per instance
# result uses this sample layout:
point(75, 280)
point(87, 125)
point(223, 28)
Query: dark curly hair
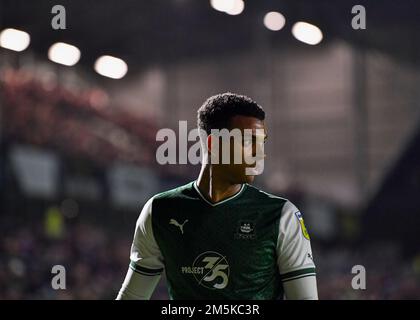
point(217, 111)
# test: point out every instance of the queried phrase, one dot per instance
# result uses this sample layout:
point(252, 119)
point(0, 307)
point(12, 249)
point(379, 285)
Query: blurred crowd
point(96, 260)
point(389, 275)
point(77, 121)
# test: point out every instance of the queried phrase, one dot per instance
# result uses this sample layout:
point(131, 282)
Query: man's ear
point(209, 141)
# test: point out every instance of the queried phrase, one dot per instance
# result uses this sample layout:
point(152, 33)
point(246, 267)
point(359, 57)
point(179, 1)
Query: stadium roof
point(163, 31)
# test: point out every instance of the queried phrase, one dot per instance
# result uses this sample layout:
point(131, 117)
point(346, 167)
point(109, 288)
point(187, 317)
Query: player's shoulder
point(179, 192)
point(264, 195)
point(271, 198)
point(160, 202)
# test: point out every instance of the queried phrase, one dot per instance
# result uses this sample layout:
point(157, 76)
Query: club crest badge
point(245, 230)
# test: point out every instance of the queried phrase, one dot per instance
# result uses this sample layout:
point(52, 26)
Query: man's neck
point(213, 186)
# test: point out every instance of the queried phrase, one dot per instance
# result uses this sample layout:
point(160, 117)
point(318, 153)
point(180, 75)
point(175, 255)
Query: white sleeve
point(146, 260)
point(137, 286)
point(301, 289)
point(294, 255)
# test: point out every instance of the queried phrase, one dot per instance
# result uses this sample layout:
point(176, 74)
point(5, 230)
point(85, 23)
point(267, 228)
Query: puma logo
point(176, 224)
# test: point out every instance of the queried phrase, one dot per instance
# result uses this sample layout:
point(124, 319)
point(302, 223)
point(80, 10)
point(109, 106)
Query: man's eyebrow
point(265, 136)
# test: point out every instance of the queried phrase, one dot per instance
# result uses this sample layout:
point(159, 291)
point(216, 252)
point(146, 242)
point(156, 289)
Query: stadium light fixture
point(237, 8)
point(222, 5)
point(274, 21)
point(307, 33)
point(64, 53)
point(111, 67)
point(13, 39)
point(231, 7)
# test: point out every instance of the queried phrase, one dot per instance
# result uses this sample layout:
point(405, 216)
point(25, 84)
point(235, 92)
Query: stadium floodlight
point(64, 53)
point(307, 33)
point(274, 21)
point(232, 7)
point(237, 8)
point(111, 67)
point(13, 39)
point(223, 5)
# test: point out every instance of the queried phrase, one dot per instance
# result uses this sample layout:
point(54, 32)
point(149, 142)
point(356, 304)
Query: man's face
point(251, 144)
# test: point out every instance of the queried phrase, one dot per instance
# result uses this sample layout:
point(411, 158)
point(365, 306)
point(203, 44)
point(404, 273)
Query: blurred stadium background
point(78, 149)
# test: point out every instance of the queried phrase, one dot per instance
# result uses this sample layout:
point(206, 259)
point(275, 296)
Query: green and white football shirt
point(243, 247)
